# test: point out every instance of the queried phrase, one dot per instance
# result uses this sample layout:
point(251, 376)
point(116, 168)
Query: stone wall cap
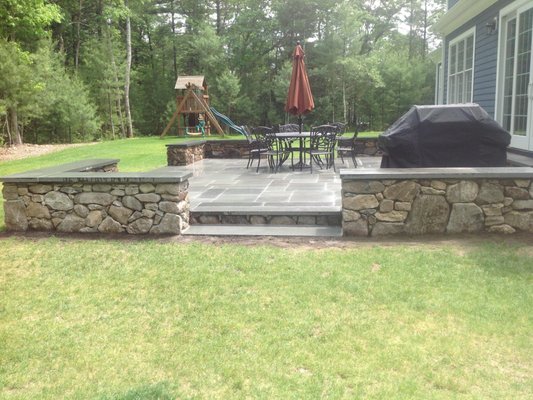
point(196, 142)
point(437, 173)
point(241, 139)
point(77, 166)
point(187, 143)
point(73, 172)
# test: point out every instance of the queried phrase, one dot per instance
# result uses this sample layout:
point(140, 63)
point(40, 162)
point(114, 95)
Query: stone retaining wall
point(265, 219)
point(392, 204)
point(185, 154)
point(75, 200)
point(226, 149)
point(367, 147)
point(190, 151)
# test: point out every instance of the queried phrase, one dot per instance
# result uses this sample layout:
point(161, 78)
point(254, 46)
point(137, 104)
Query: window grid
point(523, 68)
point(509, 75)
point(461, 66)
point(517, 70)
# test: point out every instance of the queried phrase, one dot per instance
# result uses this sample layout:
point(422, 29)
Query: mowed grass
point(154, 319)
point(138, 154)
point(159, 319)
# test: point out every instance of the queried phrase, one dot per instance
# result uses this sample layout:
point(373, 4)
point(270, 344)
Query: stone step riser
point(278, 220)
point(263, 230)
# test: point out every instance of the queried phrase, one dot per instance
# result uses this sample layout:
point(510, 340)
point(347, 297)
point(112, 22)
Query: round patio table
point(296, 135)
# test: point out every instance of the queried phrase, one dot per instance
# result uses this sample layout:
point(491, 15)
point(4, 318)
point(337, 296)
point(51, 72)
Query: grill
point(456, 135)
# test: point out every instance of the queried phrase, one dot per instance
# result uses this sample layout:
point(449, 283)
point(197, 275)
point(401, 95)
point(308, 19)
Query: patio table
point(296, 135)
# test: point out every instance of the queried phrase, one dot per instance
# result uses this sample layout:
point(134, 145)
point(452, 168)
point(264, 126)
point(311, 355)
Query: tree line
point(81, 70)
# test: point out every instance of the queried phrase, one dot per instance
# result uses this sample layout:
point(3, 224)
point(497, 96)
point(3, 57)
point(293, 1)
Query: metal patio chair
point(277, 151)
point(255, 147)
point(323, 141)
point(348, 145)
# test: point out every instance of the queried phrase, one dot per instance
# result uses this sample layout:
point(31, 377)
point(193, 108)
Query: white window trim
point(513, 7)
point(461, 37)
point(504, 13)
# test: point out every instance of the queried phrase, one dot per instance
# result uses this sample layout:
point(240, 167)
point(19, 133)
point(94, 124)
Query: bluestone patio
point(224, 191)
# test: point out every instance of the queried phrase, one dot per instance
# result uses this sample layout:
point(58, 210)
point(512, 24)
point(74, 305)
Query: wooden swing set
point(192, 107)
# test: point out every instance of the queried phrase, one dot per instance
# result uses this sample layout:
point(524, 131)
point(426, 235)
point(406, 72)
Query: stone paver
point(227, 184)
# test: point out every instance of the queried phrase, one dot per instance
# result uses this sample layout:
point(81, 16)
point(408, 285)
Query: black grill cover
point(456, 135)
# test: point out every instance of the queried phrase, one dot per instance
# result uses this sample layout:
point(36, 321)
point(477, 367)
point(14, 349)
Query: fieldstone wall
point(377, 207)
point(226, 149)
point(367, 147)
point(188, 152)
point(134, 208)
point(213, 218)
point(185, 154)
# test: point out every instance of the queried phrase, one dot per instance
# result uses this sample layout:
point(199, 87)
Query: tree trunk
point(13, 125)
point(121, 118)
point(344, 102)
point(219, 17)
point(116, 95)
point(129, 126)
point(174, 50)
point(111, 123)
point(78, 37)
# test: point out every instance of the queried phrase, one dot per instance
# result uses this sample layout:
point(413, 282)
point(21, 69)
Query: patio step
point(265, 216)
point(263, 230)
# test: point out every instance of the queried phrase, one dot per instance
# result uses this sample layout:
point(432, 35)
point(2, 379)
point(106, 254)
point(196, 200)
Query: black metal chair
point(277, 151)
point(294, 143)
point(323, 140)
point(255, 147)
point(348, 145)
point(340, 126)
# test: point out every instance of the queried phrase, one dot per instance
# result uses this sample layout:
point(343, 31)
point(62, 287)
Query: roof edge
point(459, 14)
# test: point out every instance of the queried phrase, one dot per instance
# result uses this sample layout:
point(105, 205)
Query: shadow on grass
point(150, 392)
point(503, 259)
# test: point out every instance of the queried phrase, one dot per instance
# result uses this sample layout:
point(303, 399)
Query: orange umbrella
point(299, 99)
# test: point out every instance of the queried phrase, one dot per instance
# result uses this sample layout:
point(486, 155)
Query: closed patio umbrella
point(299, 99)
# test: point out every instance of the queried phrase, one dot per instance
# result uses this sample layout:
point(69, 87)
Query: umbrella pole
point(302, 162)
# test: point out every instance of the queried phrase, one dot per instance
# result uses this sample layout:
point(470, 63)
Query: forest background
point(82, 70)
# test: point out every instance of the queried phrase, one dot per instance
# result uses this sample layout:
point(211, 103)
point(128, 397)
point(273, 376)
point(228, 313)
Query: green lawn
point(369, 134)
point(139, 154)
point(103, 319)
point(160, 319)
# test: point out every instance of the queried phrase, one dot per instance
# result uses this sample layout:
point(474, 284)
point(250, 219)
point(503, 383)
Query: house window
point(517, 70)
point(439, 83)
point(461, 68)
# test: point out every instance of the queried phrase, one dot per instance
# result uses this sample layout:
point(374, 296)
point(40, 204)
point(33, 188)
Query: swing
point(200, 128)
